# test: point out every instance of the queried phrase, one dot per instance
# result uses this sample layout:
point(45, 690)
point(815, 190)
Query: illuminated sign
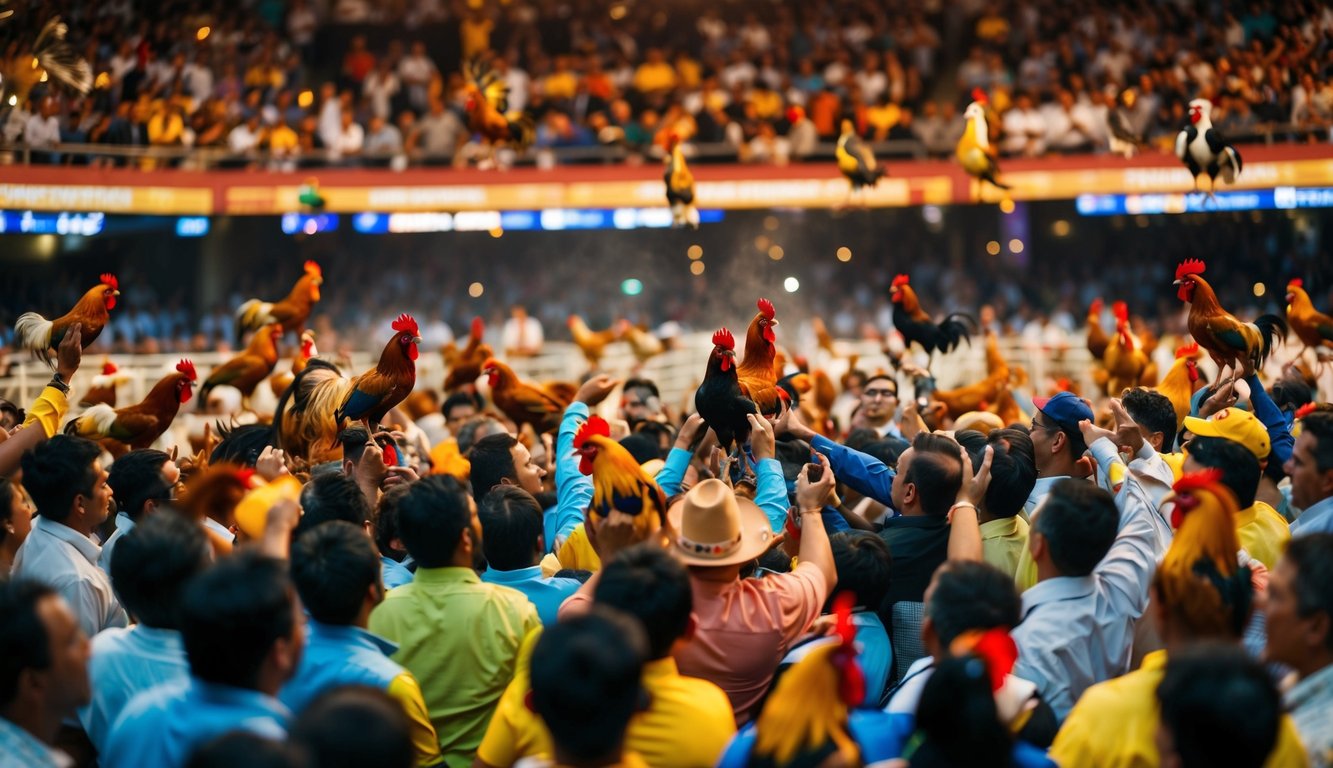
point(39, 223)
point(192, 226)
point(309, 224)
point(548, 220)
point(1280, 198)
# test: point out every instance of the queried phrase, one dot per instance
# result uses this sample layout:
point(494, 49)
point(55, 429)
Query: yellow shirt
point(1263, 533)
point(475, 35)
point(1025, 574)
point(1003, 542)
point(577, 552)
point(406, 692)
point(767, 104)
point(47, 410)
point(1129, 703)
point(654, 77)
point(283, 139)
point(688, 722)
point(561, 85)
point(165, 128)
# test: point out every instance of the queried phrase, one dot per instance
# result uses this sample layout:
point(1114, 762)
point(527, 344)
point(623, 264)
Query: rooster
point(822, 335)
point(856, 161)
point(1125, 360)
point(916, 326)
point(488, 112)
point(719, 399)
point(1203, 149)
point(981, 395)
point(374, 393)
point(679, 185)
point(974, 151)
point(642, 342)
point(39, 335)
point(1230, 343)
point(1097, 338)
point(138, 426)
point(279, 382)
point(103, 390)
point(524, 402)
point(465, 365)
point(758, 379)
point(1181, 381)
point(246, 370)
point(1124, 140)
point(593, 343)
point(1313, 328)
point(53, 57)
point(619, 484)
point(291, 313)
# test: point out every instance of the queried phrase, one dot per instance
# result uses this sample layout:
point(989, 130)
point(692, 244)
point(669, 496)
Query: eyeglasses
point(875, 394)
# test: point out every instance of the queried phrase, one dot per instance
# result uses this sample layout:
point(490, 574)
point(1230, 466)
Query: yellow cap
point(1235, 425)
point(252, 512)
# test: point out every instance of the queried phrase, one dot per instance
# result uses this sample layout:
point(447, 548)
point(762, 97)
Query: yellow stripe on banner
point(176, 201)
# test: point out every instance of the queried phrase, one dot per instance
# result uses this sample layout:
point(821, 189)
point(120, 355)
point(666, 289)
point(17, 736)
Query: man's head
point(142, 480)
point(965, 596)
point(1154, 414)
point(1073, 528)
point(646, 583)
point(1056, 439)
point(929, 475)
point(1013, 471)
point(879, 400)
point(355, 725)
point(585, 684)
point(511, 525)
point(337, 573)
point(361, 454)
point(1310, 466)
point(640, 401)
point(1239, 468)
point(863, 565)
point(502, 460)
point(67, 483)
point(437, 521)
point(43, 652)
point(1218, 707)
point(151, 565)
point(242, 624)
point(387, 538)
point(1300, 605)
point(458, 408)
point(474, 430)
point(331, 497)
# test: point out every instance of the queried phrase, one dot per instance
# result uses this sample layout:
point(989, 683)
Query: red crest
point(595, 425)
point(1306, 410)
point(312, 269)
point(1296, 282)
point(1121, 311)
point(723, 338)
point(1000, 653)
point(108, 368)
point(1189, 350)
point(186, 367)
point(1189, 267)
point(899, 281)
point(979, 96)
point(109, 280)
point(406, 324)
point(766, 308)
point(1185, 499)
point(478, 328)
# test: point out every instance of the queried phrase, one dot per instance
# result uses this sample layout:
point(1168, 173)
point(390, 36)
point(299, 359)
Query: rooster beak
point(416, 339)
point(1179, 282)
point(773, 323)
point(115, 293)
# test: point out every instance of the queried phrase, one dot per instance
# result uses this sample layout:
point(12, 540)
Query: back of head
point(151, 565)
point(334, 566)
point(887, 450)
point(386, 522)
point(242, 748)
point(1218, 707)
point(648, 584)
point(23, 641)
point(332, 497)
point(233, 615)
point(1079, 522)
point(492, 462)
point(242, 445)
point(354, 726)
point(474, 430)
point(354, 440)
point(432, 518)
point(1013, 474)
point(965, 596)
point(642, 447)
point(57, 471)
point(1239, 467)
point(511, 525)
point(1153, 411)
point(959, 691)
point(1199, 585)
point(136, 477)
point(864, 566)
point(936, 470)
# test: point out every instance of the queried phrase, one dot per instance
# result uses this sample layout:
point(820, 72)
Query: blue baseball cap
point(1065, 409)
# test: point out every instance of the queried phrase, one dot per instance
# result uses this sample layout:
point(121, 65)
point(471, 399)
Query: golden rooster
point(488, 113)
point(593, 343)
point(975, 152)
point(291, 313)
point(619, 484)
point(822, 336)
point(758, 380)
point(679, 185)
point(1243, 347)
point(1181, 380)
point(1125, 359)
point(279, 382)
point(642, 342)
point(524, 402)
point(1312, 327)
point(92, 312)
point(856, 161)
point(981, 395)
point(465, 365)
point(246, 370)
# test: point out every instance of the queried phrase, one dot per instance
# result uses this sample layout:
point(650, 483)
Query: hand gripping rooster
point(974, 151)
point(1229, 342)
point(719, 399)
point(138, 426)
point(291, 313)
point(857, 162)
point(679, 185)
point(1204, 150)
point(916, 326)
point(619, 484)
point(41, 336)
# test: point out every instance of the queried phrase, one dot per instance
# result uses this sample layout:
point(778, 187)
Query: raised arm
point(862, 473)
point(1266, 411)
point(573, 489)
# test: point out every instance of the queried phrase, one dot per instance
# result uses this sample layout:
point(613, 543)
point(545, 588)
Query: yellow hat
point(1235, 425)
point(252, 512)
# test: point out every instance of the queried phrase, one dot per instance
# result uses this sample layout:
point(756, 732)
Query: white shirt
point(351, 139)
point(66, 560)
point(123, 526)
point(242, 139)
point(42, 131)
point(532, 336)
point(124, 663)
point(219, 529)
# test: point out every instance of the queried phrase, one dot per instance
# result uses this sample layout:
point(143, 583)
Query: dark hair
point(1013, 471)
point(1312, 557)
point(1152, 409)
point(646, 583)
point(467, 434)
point(511, 526)
point(432, 518)
point(959, 691)
point(352, 726)
point(23, 640)
point(1318, 425)
point(243, 748)
point(492, 461)
point(1219, 706)
point(151, 565)
point(386, 522)
point(863, 565)
point(135, 478)
point(641, 447)
point(972, 595)
point(1239, 467)
point(354, 440)
point(860, 437)
point(332, 497)
point(243, 444)
point(936, 470)
point(972, 440)
point(455, 400)
point(332, 566)
point(585, 681)
point(646, 385)
point(881, 376)
point(58, 470)
point(1079, 521)
point(887, 450)
point(232, 615)
point(1290, 395)
point(656, 431)
point(7, 491)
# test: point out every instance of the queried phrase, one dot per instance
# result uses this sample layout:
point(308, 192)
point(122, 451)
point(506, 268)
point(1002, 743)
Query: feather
point(61, 62)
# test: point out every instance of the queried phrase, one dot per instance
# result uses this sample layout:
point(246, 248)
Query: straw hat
point(714, 527)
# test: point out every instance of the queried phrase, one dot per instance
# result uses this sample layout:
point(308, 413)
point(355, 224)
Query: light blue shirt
point(672, 473)
point(875, 653)
point(20, 749)
point(163, 726)
point(545, 593)
point(395, 573)
point(336, 656)
point(1078, 630)
point(1317, 519)
point(125, 663)
point(1040, 491)
point(66, 560)
point(770, 487)
point(123, 526)
point(573, 489)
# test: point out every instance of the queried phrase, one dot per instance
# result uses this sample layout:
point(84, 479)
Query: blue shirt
point(125, 663)
point(861, 472)
point(123, 526)
point(1272, 417)
point(545, 593)
point(871, 729)
point(1317, 519)
point(875, 652)
point(20, 749)
point(337, 656)
point(163, 726)
point(573, 489)
point(395, 573)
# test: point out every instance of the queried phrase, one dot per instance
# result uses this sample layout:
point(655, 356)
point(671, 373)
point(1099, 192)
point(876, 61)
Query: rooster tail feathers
point(251, 316)
point(1231, 164)
point(96, 422)
point(958, 327)
point(61, 60)
point(1272, 329)
point(33, 332)
point(522, 131)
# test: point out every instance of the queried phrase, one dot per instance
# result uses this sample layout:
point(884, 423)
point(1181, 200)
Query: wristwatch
point(58, 382)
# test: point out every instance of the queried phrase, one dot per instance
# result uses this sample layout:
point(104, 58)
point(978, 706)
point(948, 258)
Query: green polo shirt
point(460, 638)
point(1003, 542)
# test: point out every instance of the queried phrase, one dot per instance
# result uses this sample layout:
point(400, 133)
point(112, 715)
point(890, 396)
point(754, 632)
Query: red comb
point(595, 425)
point(1189, 350)
point(766, 307)
point(406, 323)
point(186, 367)
point(999, 651)
point(478, 328)
point(108, 368)
point(1306, 410)
point(1121, 310)
point(109, 279)
point(900, 280)
point(1095, 308)
point(979, 96)
point(312, 268)
point(1296, 282)
point(723, 338)
point(1189, 267)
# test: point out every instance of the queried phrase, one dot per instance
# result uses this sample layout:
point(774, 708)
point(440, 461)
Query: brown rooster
point(981, 395)
point(524, 402)
point(465, 365)
point(593, 343)
point(488, 112)
point(822, 335)
point(1126, 362)
point(291, 313)
point(39, 335)
point(138, 426)
point(1097, 338)
point(279, 382)
point(246, 370)
point(642, 342)
point(1243, 347)
point(1313, 328)
point(103, 390)
point(758, 379)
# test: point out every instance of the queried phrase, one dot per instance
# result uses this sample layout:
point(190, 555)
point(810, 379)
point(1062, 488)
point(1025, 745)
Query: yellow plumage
point(974, 150)
point(805, 712)
point(618, 482)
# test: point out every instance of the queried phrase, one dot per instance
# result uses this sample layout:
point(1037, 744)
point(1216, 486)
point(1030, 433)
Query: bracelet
point(814, 511)
point(58, 382)
point(949, 517)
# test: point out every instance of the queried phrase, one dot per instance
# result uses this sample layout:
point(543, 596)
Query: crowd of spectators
point(358, 82)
